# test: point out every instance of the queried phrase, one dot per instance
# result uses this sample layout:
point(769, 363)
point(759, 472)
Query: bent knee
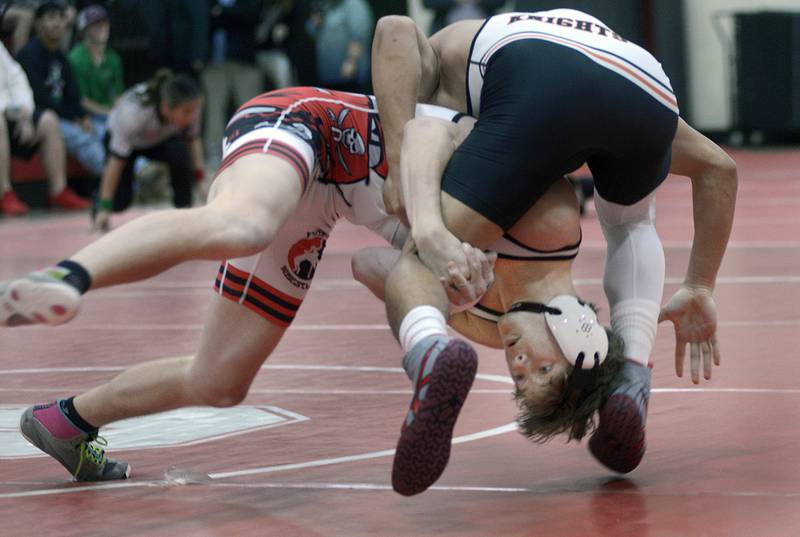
point(240, 235)
point(48, 121)
point(213, 389)
point(224, 398)
point(726, 165)
point(252, 235)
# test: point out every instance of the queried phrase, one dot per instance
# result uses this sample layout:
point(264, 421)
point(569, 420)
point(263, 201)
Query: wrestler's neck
point(539, 281)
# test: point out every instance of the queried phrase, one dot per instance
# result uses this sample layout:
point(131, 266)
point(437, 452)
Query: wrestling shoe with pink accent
point(619, 441)
point(40, 297)
point(81, 453)
point(445, 376)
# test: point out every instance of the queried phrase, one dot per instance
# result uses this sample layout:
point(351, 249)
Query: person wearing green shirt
point(98, 69)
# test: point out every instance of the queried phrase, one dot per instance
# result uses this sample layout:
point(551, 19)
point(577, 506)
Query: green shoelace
point(91, 451)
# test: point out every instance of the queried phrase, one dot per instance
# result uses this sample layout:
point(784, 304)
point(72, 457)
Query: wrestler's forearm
point(399, 77)
point(427, 147)
point(714, 202)
point(111, 176)
point(714, 184)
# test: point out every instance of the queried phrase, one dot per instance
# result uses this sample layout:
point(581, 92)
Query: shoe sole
point(29, 302)
point(619, 442)
point(424, 446)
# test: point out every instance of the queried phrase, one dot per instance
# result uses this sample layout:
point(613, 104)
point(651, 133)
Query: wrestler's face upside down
point(552, 395)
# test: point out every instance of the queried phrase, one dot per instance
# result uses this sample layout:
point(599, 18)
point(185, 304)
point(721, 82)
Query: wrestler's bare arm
point(427, 147)
point(714, 185)
point(428, 144)
point(408, 68)
point(405, 71)
point(692, 309)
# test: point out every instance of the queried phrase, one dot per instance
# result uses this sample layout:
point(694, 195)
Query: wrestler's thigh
point(234, 344)
point(258, 184)
point(468, 224)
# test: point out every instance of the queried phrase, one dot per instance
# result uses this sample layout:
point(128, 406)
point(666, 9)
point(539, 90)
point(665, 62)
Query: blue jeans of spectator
point(100, 124)
point(86, 147)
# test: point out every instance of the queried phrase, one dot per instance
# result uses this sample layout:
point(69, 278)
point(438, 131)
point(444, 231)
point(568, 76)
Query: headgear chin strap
point(575, 328)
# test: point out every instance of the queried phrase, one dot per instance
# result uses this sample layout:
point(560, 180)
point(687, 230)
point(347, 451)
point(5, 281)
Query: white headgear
point(574, 326)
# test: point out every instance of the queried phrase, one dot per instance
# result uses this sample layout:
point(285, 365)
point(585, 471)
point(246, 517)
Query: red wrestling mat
point(309, 453)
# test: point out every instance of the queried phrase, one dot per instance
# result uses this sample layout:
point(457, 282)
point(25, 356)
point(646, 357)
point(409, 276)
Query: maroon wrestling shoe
point(446, 374)
point(619, 441)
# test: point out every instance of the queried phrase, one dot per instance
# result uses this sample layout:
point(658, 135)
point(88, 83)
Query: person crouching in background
point(158, 119)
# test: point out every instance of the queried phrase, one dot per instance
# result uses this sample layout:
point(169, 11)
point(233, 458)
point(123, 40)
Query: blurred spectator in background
point(97, 68)
point(54, 86)
point(300, 43)
point(343, 33)
point(159, 119)
point(131, 26)
point(179, 34)
point(17, 18)
point(272, 37)
point(24, 131)
point(80, 5)
point(449, 11)
point(231, 69)
point(381, 8)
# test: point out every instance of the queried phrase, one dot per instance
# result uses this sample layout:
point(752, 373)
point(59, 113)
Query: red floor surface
point(722, 457)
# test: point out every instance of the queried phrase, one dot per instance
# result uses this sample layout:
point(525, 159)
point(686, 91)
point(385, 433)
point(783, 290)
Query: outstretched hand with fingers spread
point(694, 314)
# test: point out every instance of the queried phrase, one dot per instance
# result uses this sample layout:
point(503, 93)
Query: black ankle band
point(68, 408)
point(78, 277)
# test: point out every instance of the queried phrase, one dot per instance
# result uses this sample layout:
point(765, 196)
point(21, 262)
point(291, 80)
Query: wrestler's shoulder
point(456, 36)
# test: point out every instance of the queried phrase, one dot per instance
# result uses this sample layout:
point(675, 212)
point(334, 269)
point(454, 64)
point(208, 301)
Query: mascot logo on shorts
point(302, 259)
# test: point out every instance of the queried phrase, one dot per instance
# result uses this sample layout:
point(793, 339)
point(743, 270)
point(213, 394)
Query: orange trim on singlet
point(669, 98)
point(266, 299)
point(255, 309)
point(255, 299)
point(261, 283)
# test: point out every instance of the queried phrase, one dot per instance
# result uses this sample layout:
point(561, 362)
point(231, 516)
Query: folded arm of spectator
point(20, 94)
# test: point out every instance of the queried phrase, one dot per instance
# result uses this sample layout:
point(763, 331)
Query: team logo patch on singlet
point(302, 259)
point(355, 142)
point(347, 139)
point(342, 129)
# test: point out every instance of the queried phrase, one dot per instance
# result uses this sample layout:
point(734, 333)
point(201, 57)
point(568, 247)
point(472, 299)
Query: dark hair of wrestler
point(570, 406)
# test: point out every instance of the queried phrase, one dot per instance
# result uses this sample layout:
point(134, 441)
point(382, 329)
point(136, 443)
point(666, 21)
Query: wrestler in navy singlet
point(554, 90)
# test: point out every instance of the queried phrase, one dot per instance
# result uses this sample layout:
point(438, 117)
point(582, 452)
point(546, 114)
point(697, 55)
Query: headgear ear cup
point(580, 336)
